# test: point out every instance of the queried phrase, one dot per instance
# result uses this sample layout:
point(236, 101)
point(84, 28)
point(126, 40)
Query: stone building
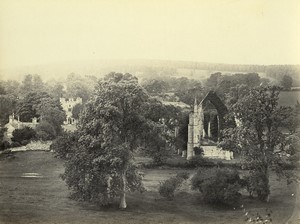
point(68, 105)
point(199, 131)
point(14, 124)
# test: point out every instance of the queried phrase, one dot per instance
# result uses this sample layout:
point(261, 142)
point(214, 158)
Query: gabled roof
point(213, 98)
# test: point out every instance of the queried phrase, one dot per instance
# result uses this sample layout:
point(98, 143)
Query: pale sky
point(36, 32)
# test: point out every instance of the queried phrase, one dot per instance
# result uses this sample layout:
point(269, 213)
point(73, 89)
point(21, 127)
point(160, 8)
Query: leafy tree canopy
point(41, 105)
point(111, 126)
point(259, 136)
point(287, 82)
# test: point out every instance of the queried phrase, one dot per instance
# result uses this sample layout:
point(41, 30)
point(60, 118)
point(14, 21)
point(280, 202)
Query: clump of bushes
point(4, 145)
point(198, 151)
point(23, 136)
point(218, 186)
point(15, 144)
point(168, 187)
point(45, 131)
point(199, 161)
point(158, 151)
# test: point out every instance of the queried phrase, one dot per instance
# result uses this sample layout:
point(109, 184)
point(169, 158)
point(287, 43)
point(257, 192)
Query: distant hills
point(149, 68)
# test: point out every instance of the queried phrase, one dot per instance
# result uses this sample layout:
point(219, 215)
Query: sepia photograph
point(152, 112)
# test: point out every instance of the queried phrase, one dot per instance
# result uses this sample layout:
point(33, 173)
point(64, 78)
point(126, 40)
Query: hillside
point(146, 68)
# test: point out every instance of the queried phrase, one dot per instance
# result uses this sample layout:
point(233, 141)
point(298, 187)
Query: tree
point(213, 80)
point(11, 87)
point(188, 95)
point(24, 135)
point(287, 82)
point(182, 138)
point(27, 84)
point(45, 131)
point(111, 126)
point(3, 143)
point(50, 110)
point(2, 88)
point(258, 137)
point(78, 86)
point(235, 93)
point(41, 105)
point(157, 147)
point(155, 87)
point(7, 107)
point(26, 108)
point(56, 90)
point(37, 83)
point(64, 145)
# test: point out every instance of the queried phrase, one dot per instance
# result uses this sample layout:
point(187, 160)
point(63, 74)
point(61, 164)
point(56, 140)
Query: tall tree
point(50, 110)
point(37, 83)
point(155, 87)
point(111, 126)
point(258, 137)
point(27, 84)
point(287, 82)
point(7, 107)
point(11, 87)
point(188, 95)
point(57, 90)
point(41, 105)
point(78, 86)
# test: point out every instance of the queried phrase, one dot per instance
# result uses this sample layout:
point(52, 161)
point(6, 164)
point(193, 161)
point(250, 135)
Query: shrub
point(199, 161)
point(198, 151)
point(20, 135)
point(218, 185)
point(45, 131)
point(15, 144)
point(25, 142)
point(158, 151)
point(168, 187)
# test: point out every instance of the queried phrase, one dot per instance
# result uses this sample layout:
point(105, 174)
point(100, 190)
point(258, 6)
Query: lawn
point(32, 192)
point(289, 98)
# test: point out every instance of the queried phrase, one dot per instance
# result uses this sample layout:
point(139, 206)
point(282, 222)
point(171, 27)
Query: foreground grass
point(45, 198)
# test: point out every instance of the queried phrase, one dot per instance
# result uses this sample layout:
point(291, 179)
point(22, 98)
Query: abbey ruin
point(200, 129)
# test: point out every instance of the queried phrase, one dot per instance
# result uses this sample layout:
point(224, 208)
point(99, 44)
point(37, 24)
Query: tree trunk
point(123, 204)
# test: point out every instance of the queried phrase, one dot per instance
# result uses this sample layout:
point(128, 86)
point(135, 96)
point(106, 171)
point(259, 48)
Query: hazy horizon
point(261, 32)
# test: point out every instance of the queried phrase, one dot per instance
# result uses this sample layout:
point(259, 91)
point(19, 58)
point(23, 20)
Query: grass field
point(289, 98)
point(32, 192)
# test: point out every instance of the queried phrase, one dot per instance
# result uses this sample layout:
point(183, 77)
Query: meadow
point(33, 192)
point(289, 98)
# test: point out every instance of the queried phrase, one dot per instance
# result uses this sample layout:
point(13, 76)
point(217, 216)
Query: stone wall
point(33, 146)
point(216, 153)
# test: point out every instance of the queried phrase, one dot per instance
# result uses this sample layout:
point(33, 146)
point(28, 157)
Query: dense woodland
point(34, 97)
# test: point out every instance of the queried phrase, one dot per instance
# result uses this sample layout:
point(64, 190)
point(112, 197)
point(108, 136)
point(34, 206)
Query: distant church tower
point(195, 129)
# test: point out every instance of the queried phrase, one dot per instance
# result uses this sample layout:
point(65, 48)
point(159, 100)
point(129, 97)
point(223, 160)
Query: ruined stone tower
point(195, 129)
point(196, 132)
